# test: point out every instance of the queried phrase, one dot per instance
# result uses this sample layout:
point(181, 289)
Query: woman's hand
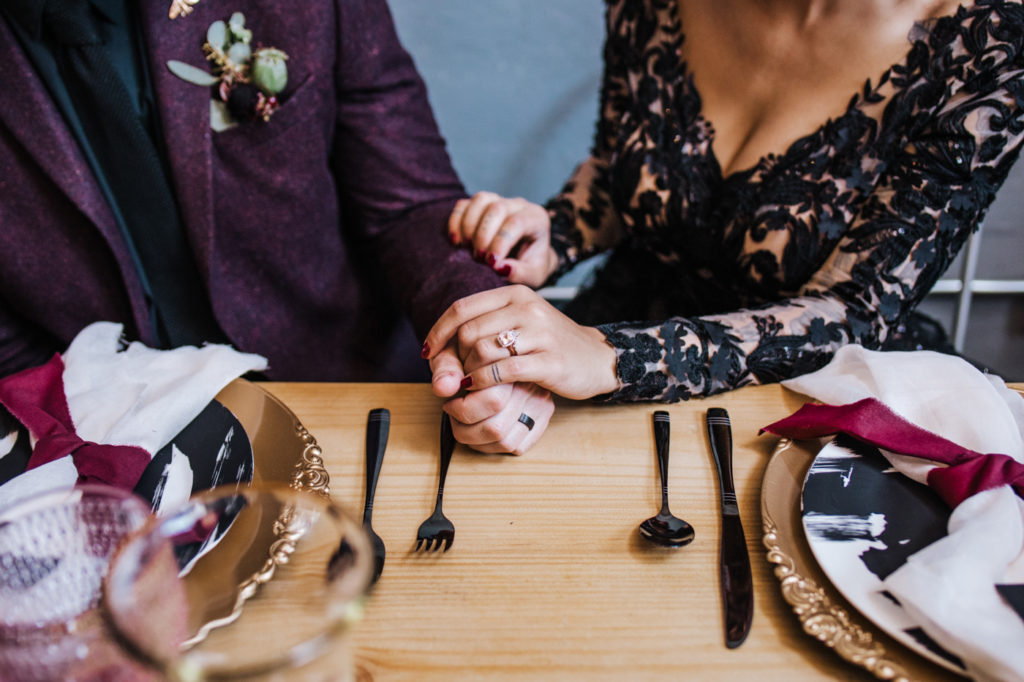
point(551, 350)
point(513, 236)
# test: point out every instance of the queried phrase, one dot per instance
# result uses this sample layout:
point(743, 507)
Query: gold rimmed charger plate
point(283, 451)
point(821, 610)
point(248, 555)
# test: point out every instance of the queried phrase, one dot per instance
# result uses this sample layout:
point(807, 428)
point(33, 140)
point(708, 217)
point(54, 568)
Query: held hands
point(551, 350)
point(513, 236)
point(491, 420)
point(501, 413)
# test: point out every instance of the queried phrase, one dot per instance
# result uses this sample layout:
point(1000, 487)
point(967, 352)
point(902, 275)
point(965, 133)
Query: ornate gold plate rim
point(248, 403)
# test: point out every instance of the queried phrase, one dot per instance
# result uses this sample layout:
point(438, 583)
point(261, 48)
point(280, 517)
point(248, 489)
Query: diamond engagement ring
point(507, 339)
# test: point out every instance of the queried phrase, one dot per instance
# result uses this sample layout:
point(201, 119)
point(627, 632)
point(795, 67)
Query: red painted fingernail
point(453, 238)
point(505, 270)
point(466, 383)
point(478, 255)
point(425, 351)
point(491, 259)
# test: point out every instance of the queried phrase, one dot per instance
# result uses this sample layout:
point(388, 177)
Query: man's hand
point(505, 418)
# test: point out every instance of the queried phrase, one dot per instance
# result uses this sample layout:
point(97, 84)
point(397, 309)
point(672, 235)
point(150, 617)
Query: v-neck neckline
point(855, 101)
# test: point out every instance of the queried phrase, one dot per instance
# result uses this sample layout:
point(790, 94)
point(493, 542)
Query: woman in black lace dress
point(773, 180)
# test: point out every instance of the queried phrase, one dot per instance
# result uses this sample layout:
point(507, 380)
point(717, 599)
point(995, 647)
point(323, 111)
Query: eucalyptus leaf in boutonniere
point(246, 82)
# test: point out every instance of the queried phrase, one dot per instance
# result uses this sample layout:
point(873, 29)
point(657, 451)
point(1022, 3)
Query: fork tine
point(419, 542)
point(448, 542)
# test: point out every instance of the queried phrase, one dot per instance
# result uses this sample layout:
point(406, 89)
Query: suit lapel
point(30, 114)
point(184, 117)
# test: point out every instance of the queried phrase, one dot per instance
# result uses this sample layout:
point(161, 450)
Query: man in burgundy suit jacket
point(307, 235)
point(310, 232)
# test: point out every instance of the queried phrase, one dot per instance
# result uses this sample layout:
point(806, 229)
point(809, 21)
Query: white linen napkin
point(135, 396)
point(949, 587)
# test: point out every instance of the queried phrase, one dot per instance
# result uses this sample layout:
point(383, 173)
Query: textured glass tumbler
point(54, 551)
point(242, 583)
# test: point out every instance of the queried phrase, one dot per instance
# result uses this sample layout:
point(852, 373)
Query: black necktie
point(134, 170)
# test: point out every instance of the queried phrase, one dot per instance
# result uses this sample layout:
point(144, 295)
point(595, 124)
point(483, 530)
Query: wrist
point(606, 364)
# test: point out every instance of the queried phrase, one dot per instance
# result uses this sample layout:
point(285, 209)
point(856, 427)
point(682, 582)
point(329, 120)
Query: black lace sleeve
point(583, 221)
point(923, 208)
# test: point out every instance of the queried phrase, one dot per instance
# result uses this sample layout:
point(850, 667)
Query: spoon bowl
point(665, 529)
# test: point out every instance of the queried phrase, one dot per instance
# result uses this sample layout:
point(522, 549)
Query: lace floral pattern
point(762, 274)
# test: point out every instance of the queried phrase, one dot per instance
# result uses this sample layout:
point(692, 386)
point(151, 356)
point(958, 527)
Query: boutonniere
point(245, 81)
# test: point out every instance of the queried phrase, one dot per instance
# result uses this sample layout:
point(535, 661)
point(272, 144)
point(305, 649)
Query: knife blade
point(734, 561)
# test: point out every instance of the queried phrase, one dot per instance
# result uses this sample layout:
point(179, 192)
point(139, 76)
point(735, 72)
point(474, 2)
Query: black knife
point(734, 562)
point(378, 424)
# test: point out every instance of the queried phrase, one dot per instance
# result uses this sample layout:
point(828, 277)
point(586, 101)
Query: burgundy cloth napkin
point(36, 398)
point(968, 472)
point(103, 390)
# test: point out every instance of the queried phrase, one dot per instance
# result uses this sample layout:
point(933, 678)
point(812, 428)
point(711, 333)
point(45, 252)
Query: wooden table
point(548, 578)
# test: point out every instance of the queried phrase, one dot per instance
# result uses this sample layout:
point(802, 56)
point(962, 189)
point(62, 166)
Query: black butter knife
point(378, 424)
point(734, 562)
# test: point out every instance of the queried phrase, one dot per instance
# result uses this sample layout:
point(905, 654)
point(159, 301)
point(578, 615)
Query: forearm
point(682, 358)
point(425, 272)
point(583, 220)
point(395, 178)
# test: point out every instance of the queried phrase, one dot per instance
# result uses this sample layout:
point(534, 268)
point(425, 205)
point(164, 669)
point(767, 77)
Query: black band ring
point(526, 421)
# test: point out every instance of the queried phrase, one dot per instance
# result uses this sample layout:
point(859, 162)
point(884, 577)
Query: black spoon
point(665, 529)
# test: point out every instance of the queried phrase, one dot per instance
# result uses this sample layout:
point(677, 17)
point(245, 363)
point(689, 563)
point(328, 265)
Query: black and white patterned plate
point(863, 519)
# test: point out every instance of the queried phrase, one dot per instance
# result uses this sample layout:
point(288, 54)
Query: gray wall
point(514, 85)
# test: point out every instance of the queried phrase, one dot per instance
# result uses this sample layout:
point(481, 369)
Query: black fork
point(437, 530)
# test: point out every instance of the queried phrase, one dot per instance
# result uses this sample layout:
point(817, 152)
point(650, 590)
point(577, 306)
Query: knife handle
point(662, 427)
point(378, 424)
point(720, 436)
